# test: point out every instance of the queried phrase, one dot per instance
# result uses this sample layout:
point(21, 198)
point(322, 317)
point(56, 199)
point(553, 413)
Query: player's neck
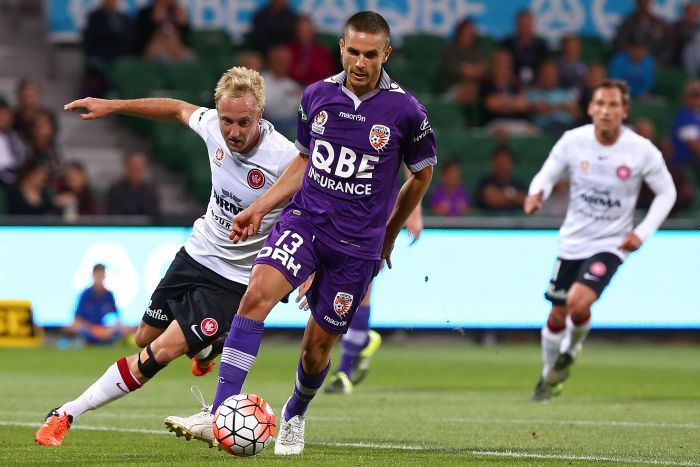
point(360, 91)
point(608, 137)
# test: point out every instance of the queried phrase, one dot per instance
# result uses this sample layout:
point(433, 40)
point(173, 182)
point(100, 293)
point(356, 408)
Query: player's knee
point(141, 338)
point(578, 308)
point(253, 301)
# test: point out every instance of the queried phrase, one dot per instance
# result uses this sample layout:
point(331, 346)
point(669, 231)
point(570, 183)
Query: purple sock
point(305, 388)
point(240, 349)
point(355, 340)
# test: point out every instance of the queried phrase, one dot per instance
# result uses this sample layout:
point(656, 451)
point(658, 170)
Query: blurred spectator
point(505, 104)
point(528, 50)
point(273, 25)
point(554, 109)
point(282, 94)
point(133, 195)
point(109, 35)
point(13, 151)
point(42, 143)
point(636, 66)
point(152, 18)
point(166, 46)
point(684, 198)
point(691, 56)
point(596, 74)
point(74, 192)
point(96, 317)
point(499, 191)
point(251, 60)
point(685, 133)
point(572, 69)
point(683, 31)
point(557, 203)
point(450, 198)
point(462, 60)
point(29, 105)
point(311, 61)
point(30, 195)
point(642, 26)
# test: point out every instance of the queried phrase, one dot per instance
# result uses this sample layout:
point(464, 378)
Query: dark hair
point(502, 149)
point(98, 267)
point(461, 25)
point(615, 84)
point(30, 166)
point(370, 22)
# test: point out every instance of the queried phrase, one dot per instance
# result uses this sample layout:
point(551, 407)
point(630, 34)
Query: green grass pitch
point(421, 404)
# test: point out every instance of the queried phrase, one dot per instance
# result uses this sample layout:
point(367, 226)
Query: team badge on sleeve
point(256, 179)
point(379, 136)
point(342, 303)
point(209, 326)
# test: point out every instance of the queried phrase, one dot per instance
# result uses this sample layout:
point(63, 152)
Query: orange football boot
point(52, 431)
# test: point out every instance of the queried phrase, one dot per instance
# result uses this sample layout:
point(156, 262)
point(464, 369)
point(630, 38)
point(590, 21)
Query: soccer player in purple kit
point(354, 131)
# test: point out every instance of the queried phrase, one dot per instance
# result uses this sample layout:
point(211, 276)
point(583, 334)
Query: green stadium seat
point(659, 110)
point(329, 40)
point(199, 178)
point(416, 77)
point(423, 47)
point(195, 77)
point(531, 148)
point(211, 43)
point(444, 114)
point(669, 83)
point(461, 145)
point(594, 50)
point(134, 78)
point(487, 45)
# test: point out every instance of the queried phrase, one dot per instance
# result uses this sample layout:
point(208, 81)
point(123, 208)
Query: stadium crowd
point(506, 100)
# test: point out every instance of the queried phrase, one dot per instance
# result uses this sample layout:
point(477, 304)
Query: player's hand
point(532, 203)
point(414, 225)
point(387, 249)
point(303, 288)
point(631, 242)
point(245, 224)
point(96, 108)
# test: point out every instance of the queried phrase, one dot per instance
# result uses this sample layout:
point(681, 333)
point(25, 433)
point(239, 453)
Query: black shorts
point(200, 300)
point(596, 272)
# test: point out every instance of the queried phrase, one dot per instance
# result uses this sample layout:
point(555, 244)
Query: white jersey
point(237, 180)
point(605, 183)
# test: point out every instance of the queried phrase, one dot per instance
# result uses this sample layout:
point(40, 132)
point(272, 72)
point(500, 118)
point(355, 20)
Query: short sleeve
point(303, 141)
point(200, 118)
point(418, 147)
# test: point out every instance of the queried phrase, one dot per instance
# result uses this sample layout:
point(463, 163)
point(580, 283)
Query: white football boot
point(290, 439)
point(198, 426)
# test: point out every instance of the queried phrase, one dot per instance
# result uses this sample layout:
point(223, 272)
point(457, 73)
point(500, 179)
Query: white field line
point(597, 423)
point(405, 447)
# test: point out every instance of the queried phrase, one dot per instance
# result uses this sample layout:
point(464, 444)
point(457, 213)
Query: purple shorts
point(341, 281)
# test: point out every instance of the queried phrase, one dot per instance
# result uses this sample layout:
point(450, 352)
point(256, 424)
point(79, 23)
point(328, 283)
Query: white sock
point(575, 334)
point(551, 341)
point(114, 384)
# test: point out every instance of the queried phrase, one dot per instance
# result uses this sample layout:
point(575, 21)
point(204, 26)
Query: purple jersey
point(355, 147)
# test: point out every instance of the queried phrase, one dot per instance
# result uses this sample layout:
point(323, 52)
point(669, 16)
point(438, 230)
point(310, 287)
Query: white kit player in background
point(194, 304)
point(606, 163)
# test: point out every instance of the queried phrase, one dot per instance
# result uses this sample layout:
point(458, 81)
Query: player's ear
point(387, 52)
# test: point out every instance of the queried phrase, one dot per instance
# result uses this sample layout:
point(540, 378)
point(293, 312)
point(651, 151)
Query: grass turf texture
point(444, 404)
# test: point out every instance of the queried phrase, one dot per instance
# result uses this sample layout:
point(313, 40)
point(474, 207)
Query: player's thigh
point(339, 286)
point(145, 334)
point(593, 276)
point(206, 311)
point(285, 261)
point(368, 295)
point(563, 276)
point(316, 347)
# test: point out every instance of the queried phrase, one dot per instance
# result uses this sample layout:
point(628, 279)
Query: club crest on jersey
point(598, 269)
point(219, 157)
point(379, 136)
point(209, 326)
point(256, 179)
point(623, 172)
point(319, 121)
point(342, 303)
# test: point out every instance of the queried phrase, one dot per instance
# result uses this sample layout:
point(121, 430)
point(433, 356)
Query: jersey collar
point(384, 84)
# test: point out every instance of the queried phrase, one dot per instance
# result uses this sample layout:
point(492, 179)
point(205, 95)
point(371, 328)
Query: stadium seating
point(658, 110)
point(210, 45)
point(134, 77)
point(594, 50)
point(445, 114)
point(328, 40)
point(194, 77)
point(669, 82)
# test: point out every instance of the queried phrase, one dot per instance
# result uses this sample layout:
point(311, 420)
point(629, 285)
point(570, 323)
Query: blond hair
point(238, 81)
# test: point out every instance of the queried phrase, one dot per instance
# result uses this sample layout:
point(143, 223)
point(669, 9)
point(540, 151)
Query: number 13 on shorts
point(283, 251)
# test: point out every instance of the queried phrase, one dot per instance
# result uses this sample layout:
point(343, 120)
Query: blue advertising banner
point(449, 279)
point(66, 18)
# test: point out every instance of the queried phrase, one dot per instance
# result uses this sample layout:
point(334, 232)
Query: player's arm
point(543, 182)
point(661, 183)
point(414, 223)
point(247, 222)
point(409, 197)
point(153, 108)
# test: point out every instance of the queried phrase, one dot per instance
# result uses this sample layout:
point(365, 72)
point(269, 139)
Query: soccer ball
point(244, 425)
